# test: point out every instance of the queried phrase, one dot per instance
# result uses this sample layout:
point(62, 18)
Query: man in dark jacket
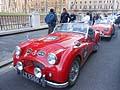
point(51, 20)
point(72, 17)
point(64, 16)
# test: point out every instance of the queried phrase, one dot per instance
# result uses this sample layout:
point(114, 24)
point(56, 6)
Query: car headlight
point(37, 72)
point(52, 59)
point(17, 51)
point(106, 29)
point(19, 66)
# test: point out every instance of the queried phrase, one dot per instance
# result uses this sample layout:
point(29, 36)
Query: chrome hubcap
point(74, 71)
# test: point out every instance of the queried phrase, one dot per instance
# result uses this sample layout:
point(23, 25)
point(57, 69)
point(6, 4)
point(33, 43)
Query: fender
point(66, 62)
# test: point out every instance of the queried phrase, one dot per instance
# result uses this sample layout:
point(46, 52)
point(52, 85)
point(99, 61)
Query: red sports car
point(55, 59)
point(105, 28)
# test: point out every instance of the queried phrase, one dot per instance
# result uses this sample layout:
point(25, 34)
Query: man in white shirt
point(86, 19)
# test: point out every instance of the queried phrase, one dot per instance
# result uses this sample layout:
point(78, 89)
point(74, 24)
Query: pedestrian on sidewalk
point(72, 17)
point(51, 20)
point(64, 16)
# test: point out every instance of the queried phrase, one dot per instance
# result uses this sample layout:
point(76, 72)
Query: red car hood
point(53, 42)
point(101, 27)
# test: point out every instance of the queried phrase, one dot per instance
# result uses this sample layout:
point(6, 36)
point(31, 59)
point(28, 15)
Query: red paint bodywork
point(65, 49)
point(101, 29)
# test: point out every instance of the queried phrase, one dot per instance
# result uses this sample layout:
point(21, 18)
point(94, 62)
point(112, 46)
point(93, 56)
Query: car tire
point(109, 38)
point(113, 33)
point(18, 72)
point(96, 47)
point(74, 72)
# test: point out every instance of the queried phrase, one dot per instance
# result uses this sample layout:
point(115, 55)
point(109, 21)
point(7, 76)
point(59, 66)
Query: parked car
point(112, 18)
point(55, 60)
point(105, 28)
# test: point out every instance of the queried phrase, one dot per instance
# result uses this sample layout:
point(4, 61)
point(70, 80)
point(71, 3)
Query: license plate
point(31, 77)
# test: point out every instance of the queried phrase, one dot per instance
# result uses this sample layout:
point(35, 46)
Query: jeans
point(51, 28)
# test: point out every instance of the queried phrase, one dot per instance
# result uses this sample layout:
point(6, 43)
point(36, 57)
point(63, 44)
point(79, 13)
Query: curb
point(5, 63)
point(18, 31)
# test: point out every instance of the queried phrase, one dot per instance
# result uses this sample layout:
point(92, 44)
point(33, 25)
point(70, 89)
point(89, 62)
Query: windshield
point(72, 27)
point(102, 22)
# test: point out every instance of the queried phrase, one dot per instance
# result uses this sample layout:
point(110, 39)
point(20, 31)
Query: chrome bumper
point(56, 85)
point(105, 36)
point(44, 82)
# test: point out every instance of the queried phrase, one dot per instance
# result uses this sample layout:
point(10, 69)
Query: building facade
point(94, 6)
point(28, 6)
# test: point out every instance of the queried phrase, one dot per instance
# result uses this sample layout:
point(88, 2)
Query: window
point(105, 7)
point(71, 6)
point(94, 6)
point(75, 6)
point(100, 1)
point(80, 2)
point(85, 6)
point(80, 7)
point(89, 1)
point(100, 6)
point(111, 7)
point(95, 1)
point(85, 1)
point(90, 7)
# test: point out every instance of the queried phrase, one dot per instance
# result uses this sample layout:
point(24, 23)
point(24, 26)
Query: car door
point(91, 39)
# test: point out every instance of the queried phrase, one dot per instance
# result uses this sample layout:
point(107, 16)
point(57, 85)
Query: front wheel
point(74, 71)
point(109, 38)
point(96, 47)
point(113, 31)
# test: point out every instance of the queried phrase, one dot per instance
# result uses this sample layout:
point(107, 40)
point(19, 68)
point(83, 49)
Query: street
point(101, 71)
point(8, 43)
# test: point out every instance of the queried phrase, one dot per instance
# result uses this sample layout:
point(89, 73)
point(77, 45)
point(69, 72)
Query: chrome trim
point(105, 36)
point(49, 83)
point(56, 85)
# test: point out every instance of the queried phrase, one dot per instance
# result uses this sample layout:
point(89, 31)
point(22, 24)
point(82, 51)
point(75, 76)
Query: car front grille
point(33, 63)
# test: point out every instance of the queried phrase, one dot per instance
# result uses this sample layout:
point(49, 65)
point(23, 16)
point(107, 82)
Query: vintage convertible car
point(105, 28)
point(55, 60)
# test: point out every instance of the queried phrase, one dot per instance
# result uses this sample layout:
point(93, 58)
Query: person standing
point(64, 16)
point(72, 17)
point(91, 19)
point(86, 19)
point(51, 20)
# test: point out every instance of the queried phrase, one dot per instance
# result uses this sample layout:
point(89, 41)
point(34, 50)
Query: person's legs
point(51, 28)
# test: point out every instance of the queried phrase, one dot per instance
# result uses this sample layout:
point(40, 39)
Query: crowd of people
point(51, 18)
